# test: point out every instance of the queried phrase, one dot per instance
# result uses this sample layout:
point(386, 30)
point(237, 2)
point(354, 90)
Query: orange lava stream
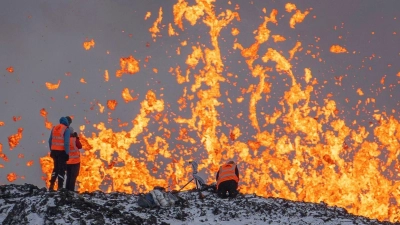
point(300, 152)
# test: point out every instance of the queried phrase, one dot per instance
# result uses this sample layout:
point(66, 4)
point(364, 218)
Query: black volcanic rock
point(27, 204)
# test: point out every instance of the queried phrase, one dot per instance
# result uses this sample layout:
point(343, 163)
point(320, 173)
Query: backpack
point(146, 201)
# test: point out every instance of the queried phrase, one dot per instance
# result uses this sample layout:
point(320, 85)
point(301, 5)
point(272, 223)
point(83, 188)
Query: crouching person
point(74, 162)
point(227, 180)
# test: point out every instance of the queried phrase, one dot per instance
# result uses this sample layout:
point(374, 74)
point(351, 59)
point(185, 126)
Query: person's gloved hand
point(75, 134)
point(66, 157)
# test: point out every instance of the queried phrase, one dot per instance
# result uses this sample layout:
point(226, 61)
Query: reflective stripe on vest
point(74, 154)
point(57, 137)
point(227, 172)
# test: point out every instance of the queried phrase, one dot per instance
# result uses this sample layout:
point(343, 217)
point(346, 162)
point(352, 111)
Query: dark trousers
point(59, 168)
point(72, 174)
point(229, 186)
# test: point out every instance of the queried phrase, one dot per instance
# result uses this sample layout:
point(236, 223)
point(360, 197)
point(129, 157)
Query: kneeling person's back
point(227, 180)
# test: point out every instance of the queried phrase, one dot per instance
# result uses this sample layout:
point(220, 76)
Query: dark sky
point(42, 41)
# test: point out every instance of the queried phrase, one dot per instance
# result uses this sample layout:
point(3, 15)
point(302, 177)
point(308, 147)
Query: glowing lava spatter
point(47, 123)
point(87, 45)
point(51, 86)
point(298, 153)
point(13, 140)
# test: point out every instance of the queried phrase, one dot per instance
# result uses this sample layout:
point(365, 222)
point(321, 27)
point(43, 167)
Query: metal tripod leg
point(187, 184)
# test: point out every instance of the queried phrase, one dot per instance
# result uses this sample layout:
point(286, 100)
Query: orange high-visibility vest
point(57, 137)
point(227, 172)
point(74, 154)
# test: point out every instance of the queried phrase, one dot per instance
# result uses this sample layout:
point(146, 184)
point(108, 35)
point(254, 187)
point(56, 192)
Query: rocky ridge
point(27, 204)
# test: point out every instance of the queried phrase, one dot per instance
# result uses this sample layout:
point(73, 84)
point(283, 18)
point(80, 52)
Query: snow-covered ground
point(27, 204)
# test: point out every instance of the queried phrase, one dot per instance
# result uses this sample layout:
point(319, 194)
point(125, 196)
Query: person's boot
point(60, 185)
point(51, 187)
point(233, 194)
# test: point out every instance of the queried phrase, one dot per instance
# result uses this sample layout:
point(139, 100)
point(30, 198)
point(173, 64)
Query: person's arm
point(51, 137)
point(78, 143)
point(66, 140)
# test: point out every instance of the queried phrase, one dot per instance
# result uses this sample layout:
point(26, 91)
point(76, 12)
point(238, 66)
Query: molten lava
point(47, 123)
point(11, 177)
point(13, 140)
point(337, 49)
point(87, 45)
point(10, 69)
point(300, 149)
point(51, 86)
point(112, 104)
point(128, 65)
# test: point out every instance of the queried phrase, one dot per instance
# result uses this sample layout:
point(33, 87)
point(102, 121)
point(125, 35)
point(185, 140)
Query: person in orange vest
point(73, 164)
point(59, 150)
point(227, 180)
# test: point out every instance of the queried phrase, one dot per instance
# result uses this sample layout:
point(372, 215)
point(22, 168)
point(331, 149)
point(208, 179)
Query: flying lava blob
point(10, 69)
point(300, 150)
point(87, 45)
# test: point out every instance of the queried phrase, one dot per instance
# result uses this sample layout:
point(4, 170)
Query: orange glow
point(290, 7)
point(308, 75)
point(338, 49)
point(82, 80)
point(112, 104)
point(148, 14)
point(1, 123)
point(2, 155)
point(171, 30)
point(15, 118)
point(88, 44)
point(11, 177)
point(299, 147)
point(51, 86)
point(154, 30)
point(47, 123)
point(128, 65)
point(235, 31)
point(278, 38)
point(298, 17)
point(10, 69)
point(106, 76)
point(29, 163)
point(20, 156)
point(101, 107)
point(360, 92)
point(13, 140)
point(127, 96)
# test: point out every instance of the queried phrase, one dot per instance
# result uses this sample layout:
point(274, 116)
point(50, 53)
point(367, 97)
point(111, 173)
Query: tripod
point(198, 180)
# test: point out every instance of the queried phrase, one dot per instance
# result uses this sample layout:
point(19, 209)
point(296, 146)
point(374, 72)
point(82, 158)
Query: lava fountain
point(300, 149)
